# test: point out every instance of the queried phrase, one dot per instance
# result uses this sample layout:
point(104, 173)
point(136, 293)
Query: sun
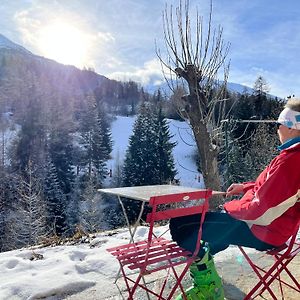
point(64, 43)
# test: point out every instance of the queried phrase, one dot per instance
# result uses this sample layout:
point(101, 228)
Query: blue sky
point(117, 37)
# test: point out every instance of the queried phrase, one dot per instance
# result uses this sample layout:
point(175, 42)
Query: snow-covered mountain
point(5, 43)
point(156, 83)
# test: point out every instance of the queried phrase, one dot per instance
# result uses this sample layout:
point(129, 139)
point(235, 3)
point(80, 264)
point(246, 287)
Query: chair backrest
point(166, 212)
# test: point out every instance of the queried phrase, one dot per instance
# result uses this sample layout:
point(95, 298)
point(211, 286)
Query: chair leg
point(262, 279)
point(267, 280)
point(270, 276)
point(137, 283)
point(280, 266)
point(284, 267)
point(179, 279)
point(125, 277)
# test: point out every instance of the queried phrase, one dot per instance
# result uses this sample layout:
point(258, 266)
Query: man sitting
point(264, 218)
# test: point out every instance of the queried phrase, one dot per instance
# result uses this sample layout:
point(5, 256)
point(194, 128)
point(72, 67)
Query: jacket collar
point(289, 143)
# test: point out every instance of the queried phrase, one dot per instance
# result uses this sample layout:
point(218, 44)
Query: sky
point(117, 38)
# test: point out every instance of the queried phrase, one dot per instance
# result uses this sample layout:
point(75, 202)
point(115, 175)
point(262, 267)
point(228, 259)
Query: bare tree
point(91, 207)
point(30, 220)
point(198, 56)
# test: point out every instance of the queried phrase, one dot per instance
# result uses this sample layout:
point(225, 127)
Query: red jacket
point(271, 204)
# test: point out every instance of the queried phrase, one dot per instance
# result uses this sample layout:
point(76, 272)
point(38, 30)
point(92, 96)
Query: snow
point(183, 152)
point(87, 271)
point(5, 43)
point(61, 271)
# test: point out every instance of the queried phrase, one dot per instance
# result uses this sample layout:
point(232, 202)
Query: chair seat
point(278, 251)
point(159, 254)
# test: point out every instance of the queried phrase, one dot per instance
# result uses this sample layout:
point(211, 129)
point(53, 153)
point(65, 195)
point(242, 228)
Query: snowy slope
point(5, 43)
point(183, 152)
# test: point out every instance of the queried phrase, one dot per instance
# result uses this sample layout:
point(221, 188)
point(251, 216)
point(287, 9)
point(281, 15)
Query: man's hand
point(235, 189)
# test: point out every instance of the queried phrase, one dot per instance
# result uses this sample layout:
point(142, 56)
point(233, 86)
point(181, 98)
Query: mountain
point(5, 43)
point(15, 58)
point(25, 76)
point(156, 83)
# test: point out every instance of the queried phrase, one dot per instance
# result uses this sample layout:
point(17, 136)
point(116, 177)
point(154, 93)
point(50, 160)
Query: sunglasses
point(278, 125)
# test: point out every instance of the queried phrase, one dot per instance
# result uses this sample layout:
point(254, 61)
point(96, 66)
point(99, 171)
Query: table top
point(144, 193)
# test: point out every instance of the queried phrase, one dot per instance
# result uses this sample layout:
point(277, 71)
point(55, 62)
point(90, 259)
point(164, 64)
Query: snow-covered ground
point(86, 271)
point(60, 271)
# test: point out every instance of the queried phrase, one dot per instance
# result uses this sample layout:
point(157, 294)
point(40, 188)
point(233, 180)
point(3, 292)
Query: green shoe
point(202, 293)
point(207, 284)
point(192, 293)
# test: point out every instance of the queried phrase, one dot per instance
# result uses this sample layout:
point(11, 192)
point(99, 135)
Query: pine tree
point(263, 148)
point(55, 200)
point(148, 159)
point(141, 160)
point(91, 211)
point(260, 95)
point(239, 168)
point(245, 163)
point(58, 176)
point(72, 210)
point(8, 205)
point(96, 140)
point(166, 165)
point(5, 198)
point(30, 142)
point(95, 137)
point(103, 123)
point(60, 149)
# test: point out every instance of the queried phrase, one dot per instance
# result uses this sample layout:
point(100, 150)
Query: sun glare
point(64, 43)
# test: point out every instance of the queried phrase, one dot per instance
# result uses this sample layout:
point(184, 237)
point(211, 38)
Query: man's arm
point(275, 192)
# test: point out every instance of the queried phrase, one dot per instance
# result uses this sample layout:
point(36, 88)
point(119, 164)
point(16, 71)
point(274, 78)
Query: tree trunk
point(208, 161)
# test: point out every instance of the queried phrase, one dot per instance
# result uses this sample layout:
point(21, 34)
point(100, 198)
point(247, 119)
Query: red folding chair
point(158, 253)
point(282, 257)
